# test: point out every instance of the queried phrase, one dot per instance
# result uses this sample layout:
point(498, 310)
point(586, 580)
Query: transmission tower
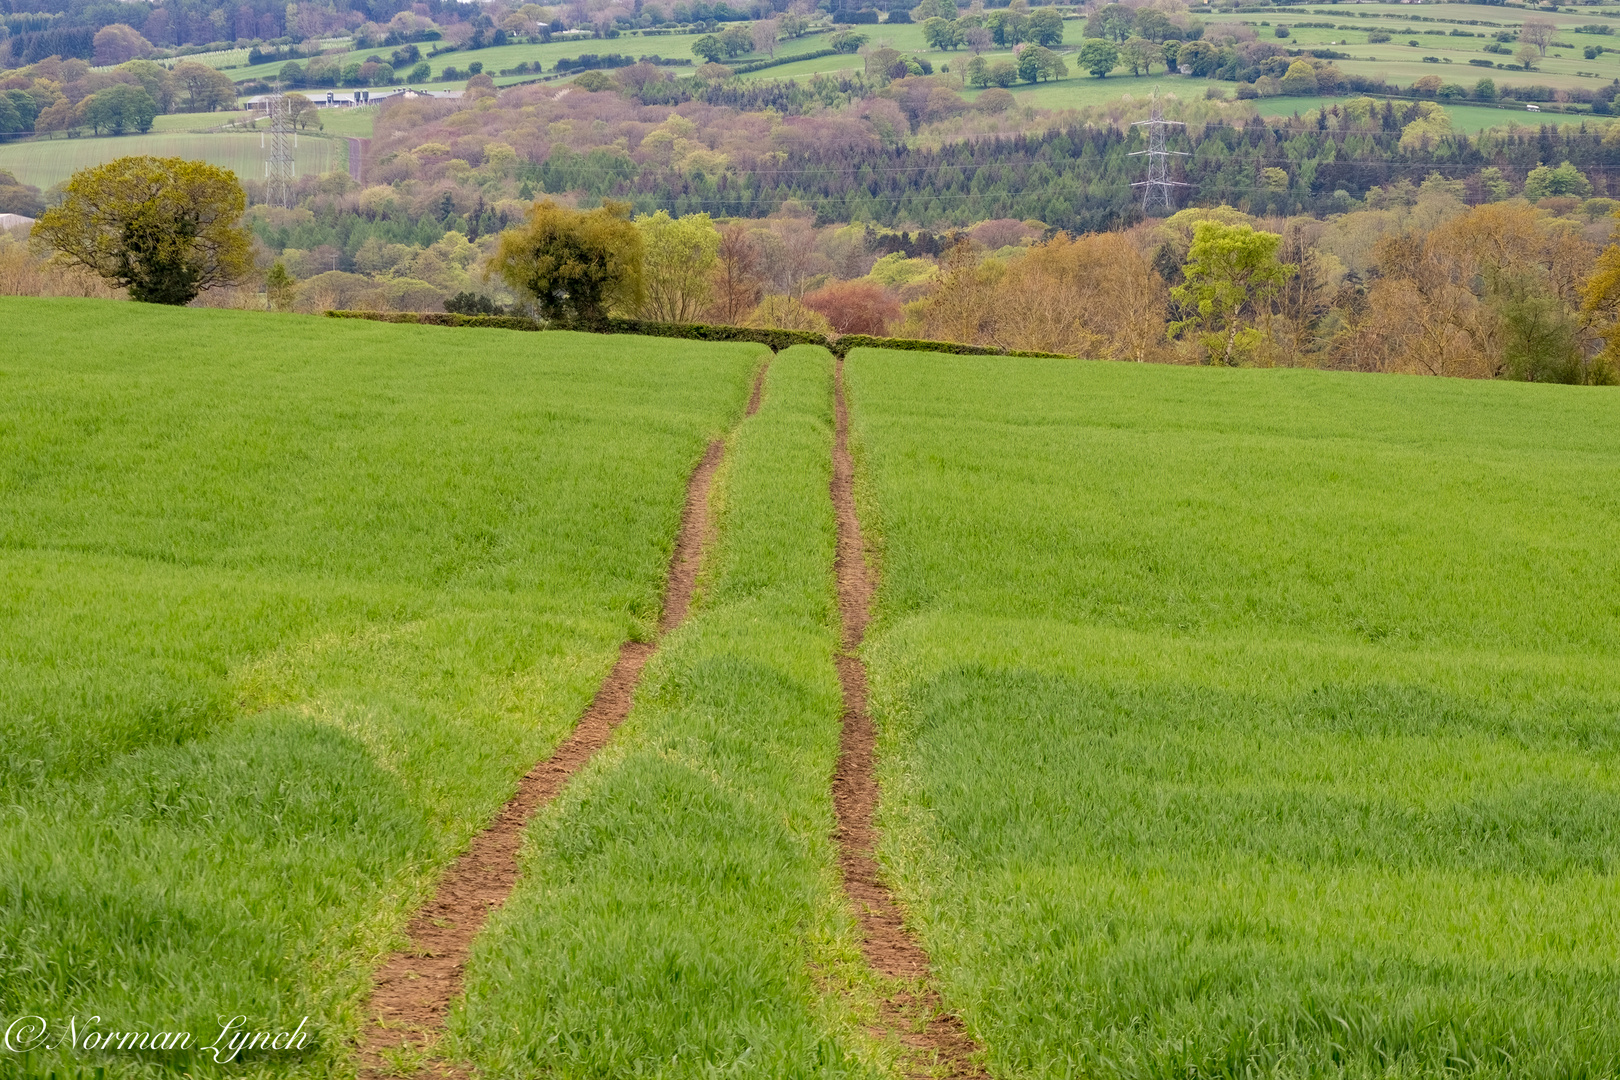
point(278, 167)
point(1157, 188)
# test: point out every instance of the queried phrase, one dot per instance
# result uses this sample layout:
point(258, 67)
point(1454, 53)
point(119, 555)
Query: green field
point(1398, 61)
point(680, 898)
point(1470, 118)
point(671, 46)
point(286, 607)
point(1251, 723)
point(47, 162)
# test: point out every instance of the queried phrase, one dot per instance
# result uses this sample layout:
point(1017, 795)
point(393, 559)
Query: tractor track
point(935, 1041)
point(415, 986)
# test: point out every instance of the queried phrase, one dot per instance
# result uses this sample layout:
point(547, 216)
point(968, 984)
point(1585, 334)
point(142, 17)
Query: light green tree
point(678, 261)
point(1232, 274)
point(1564, 180)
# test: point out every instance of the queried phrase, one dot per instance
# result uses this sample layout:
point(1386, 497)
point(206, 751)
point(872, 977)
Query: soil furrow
point(415, 986)
point(936, 1041)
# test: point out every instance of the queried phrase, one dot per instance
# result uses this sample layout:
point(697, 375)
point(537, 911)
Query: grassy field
point(1468, 118)
point(1251, 723)
point(680, 913)
point(1400, 61)
point(46, 162)
point(286, 607)
point(671, 46)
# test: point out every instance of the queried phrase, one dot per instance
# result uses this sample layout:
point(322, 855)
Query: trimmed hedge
point(442, 318)
point(775, 340)
point(866, 341)
point(761, 65)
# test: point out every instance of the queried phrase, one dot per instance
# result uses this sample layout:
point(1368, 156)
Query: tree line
point(1418, 282)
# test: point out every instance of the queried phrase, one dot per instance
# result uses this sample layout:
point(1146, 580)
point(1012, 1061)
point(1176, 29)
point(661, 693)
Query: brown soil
point(414, 989)
point(936, 1042)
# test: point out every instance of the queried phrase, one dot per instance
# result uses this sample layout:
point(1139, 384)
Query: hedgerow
point(775, 340)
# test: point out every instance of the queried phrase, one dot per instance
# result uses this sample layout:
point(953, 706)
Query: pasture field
point(47, 162)
point(1250, 723)
point(669, 46)
point(287, 606)
point(679, 913)
point(1469, 118)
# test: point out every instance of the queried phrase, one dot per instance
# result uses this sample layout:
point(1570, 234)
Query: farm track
point(357, 159)
point(415, 986)
point(936, 1041)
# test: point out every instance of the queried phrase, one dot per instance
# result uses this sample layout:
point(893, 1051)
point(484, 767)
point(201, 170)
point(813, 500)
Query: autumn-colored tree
point(118, 43)
point(1097, 296)
point(577, 265)
point(855, 307)
point(961, 306)
point(786, 313)
point(1231, 275)
point(164, 228)
point(737, 279)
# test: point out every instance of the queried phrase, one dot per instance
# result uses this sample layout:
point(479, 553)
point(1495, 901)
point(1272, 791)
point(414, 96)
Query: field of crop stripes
point(286, 606)
point(1250, 723)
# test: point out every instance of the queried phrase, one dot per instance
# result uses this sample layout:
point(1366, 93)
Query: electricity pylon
point(278, 169)
point(1157, 188)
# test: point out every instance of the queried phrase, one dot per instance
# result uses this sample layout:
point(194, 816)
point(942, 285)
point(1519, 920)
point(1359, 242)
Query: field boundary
point(415, 986)
point(936, 1041)
point(777, 340)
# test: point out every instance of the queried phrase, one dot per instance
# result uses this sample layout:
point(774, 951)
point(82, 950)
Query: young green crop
point(680, 907)
point(286, 607)
point(1251, 723)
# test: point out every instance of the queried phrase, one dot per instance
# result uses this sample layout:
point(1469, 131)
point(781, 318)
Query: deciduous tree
point(119, 42)
point(1539, 33)
point(577, 265)
point(855, 307)
point(678, 261)
point(1099, 56)
point(737, 277)
point(1232, 272)
point(164, 228)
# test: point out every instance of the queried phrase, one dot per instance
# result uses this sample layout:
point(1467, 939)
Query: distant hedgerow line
point(776, 340)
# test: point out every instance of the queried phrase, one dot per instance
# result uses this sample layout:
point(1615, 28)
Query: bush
point(466, 303)
point(1281, 31)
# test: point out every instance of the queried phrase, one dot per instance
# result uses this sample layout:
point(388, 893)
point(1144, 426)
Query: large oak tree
point(163, 228)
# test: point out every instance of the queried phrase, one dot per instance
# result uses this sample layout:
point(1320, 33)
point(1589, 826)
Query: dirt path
point(936, 1041)
point(357, 159)
point(416, 985)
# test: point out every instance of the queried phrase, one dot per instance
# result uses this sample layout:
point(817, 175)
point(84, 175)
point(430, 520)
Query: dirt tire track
point(415, 986)
point(936, 1041)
